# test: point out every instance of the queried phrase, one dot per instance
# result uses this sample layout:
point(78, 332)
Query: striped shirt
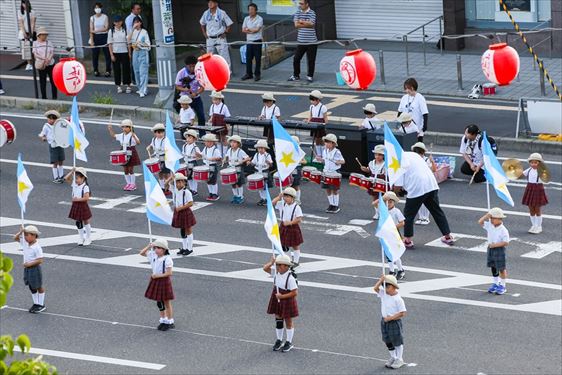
point(306, 34)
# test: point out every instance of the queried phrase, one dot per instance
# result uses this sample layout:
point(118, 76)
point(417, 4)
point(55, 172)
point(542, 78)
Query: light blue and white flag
point(76, 136)
point(495, 175)
point(172, 154)
point(394, 161)
point(272, 227)
point(388, 235)
point(288, 154)
point(24, 184)
point(158, 208)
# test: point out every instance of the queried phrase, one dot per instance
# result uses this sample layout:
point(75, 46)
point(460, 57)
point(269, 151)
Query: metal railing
point(425, 38)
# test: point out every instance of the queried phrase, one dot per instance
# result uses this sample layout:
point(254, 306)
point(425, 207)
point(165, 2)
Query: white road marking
point(499, 157)
point(94, 358)
point(450, 104)
point(84, 120)
point(514, 184)
point(112, 203)
point(360, 222)
point(412, 290)
point(544, 249)
point(45, 165)
point(332, 229)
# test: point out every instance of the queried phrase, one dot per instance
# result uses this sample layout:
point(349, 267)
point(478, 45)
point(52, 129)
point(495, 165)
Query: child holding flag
point(80, 211)
point(32, 260)
point(391, 199)
point(376, 169)
point(183, 216)
point(291, 217)
point(128, 140)
point(56, 153)
point(297, 173)
point(498, 239)
point(534, 196)
point(333, 160)
point(157, 149)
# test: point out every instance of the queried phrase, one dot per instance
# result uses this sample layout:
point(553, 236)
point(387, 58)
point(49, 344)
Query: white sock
point(190, 241)
point(162, 183)
point(81, 234)
point(393, 353)
point(184, 243)
point(262, 194)
point(336, 200)
point(55, 173)
point(235, 192)
point(298, 195)
point(133, 178)
point(216, 189)
point(330, 200)
point(391, 266)
point(539, 221)
point(503, 282)
point(532, 220)
point(290, 333)
point(399, 351)
point(41, 299)
point(35, 297)
point(241, 192)
point(497, 280)
point(279, 333)
point(170, 321)
point(88, 230)
point(376, 211)
point(192, 185)
point(60, 169)
point(127, 180)
point(162, 320)
point(398, 263)
point(296, 256)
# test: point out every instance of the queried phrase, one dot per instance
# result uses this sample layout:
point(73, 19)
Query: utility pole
point(165, 52)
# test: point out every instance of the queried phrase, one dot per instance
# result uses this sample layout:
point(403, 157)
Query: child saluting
point(32, 260)
point(498, 239)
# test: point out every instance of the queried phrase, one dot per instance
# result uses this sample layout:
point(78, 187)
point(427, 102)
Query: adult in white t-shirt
point(414, 104)
point(24, 33)
point(99, 26)
point(421, 187)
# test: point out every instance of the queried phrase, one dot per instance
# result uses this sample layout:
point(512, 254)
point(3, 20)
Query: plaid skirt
point(160, 289)
point(496, 258)
point(33, 277)
point(291, 235)
point(184, 219)
point(286, 308)
point(80, 211)
point(534, 195)
point(392, 332)
point(134, 160)
point(56, 154)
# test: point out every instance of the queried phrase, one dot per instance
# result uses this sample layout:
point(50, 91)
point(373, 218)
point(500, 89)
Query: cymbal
point(512, 168)
point(544, 173)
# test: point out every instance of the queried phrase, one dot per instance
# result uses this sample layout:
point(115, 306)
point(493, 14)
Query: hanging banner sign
point(167, 21)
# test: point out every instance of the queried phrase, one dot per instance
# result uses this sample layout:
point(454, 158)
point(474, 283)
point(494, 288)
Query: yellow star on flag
point(22, 186)
point(287, 159)
point(395, 165)
point(77, 144)
point(275, 231)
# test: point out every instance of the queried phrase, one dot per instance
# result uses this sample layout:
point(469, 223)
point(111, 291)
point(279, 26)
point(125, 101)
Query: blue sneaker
point(501, 290)
point(493, 288)
point(234, 199)
point(240, 200)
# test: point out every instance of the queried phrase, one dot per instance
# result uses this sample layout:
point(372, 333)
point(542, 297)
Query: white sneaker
point(538, 230)
point(119, 90)
point(532, 229)
point(80, 242)
point(142, 94)
point(29, 67)
point(376, 217)
point(2, 92)
point(424, 221)
point(87, 242)
point(418, 222)
point(388, 364)
point(397, 364)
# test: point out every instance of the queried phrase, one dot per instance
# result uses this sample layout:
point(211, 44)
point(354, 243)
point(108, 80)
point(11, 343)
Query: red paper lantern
point(500, 64)
point(212, 72)
point(69, 76)
point(358, 69)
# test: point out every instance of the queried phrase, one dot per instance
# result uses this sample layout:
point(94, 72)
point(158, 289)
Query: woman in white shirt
point(120, 55)
point(414, 104)
point(25, 35)
point(99, 25)
point(44, 52)
point(139, 42)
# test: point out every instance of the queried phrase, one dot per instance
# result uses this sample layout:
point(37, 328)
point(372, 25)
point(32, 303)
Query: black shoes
point(262, 202)
point(246, 77)
point(400, 274)
point(37, 308)
point(287, 347)
point(257, 78)
point(333, 209)
point(277, 346)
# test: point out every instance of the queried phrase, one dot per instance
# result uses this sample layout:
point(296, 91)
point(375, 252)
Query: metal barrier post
point(541, 71)
point(381, 63)
point(423, 45)
point(459, 73)
point(405, 39)
point(441, 40)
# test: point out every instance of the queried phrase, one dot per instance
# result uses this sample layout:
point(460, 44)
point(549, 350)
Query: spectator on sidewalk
point(136, 10)
point(120, 55)
point(187, 84)
point(44, 52)
point(305, 23)
point(252, 27)
point(99, 25)
point(215, 24)
point(471, 151)
point(25, 35)
point(139, 42)
point(414, 104)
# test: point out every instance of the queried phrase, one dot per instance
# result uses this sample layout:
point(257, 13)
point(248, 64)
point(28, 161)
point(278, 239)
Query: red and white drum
point(286, 182)
point(153, 165)
point(355, 179)
point(489, 88)
point(201, 173)
point(316, 176)
point(256, 182)
point(183, 170)
point(306, 171)
point(7, 132)
point(442, 173)
point(331, 178)
point(366, 183)
point(120, 157)
point(380, 185)
point(228, 176)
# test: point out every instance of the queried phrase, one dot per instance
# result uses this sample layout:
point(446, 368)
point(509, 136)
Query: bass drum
point(61, 133)
point(7, 132)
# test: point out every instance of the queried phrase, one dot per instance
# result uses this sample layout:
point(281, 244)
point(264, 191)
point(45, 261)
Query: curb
point(158, 115)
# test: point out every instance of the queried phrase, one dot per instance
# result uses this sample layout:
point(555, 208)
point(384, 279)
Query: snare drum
point(286, 182)
point(380, 185)
point(256, 182)
point(61, 133)
point(331, 178)
point(201, 173)
point(366, 183)
point(119, 157)
point(228, 176)
point(7, 132)
point(355, 179)
point(153, 165)
point(306, 171)
point(316, 176)
point(183, 170)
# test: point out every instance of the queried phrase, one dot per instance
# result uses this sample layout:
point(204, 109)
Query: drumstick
point(472, 179)
point(361, 165)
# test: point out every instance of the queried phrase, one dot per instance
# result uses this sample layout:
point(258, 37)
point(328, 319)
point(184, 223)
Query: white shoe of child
point(87, 242)
point(538, 230)
point(532, 229)
point(388, 364)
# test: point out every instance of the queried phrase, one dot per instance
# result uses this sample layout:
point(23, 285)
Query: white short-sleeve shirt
point(496, 234)
point(118, 39)
point(219, 109)
point(30, 253)
point(409, 129)
point(288, 209)
point(390, 305)
point(472, 149)
point(48, 132)
point(158, 146)
point(318, 110)
point(396, 215)
point(126, 140)
point(190, 152)
point(215, 24)
point(212, 152)
point(182, 197)
point(418, 179)
point(261, 161)
point(159, 264)
point(187, 115)
point(270, 112)
point(235, 156)
point(416, 106)
point(533, 176)
point(79, 191)
point(376, 168)
point(330, 157)
point(372, 123)
point(280, 280)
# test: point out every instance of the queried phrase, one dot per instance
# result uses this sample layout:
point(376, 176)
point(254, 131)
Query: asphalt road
point(95, 294)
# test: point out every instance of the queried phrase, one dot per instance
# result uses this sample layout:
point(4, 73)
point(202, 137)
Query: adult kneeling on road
point(422, 188)
point(471, 151)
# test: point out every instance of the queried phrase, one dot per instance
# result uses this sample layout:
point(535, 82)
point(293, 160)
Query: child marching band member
point(56, 153)
point(283, 300)
point(236, 158)
point(377, 170)
point(407, 126)
point(391, 200)
point(80, 210)
point(370, 121)
point(160, 286)
point(218, 113)
point(156, 149)
point(291, 217)
point(420, 149)
point(268, 112)
point(333, 160)
point(318, 112)
point(32, 260)
point(534, 196)
point(498, 239)
point(297, 173)
point(184, 219)
point(128, 140)
point(393, 310)
point(262, 161)
point(187, 115)
point(211, 155)
point(190, 153)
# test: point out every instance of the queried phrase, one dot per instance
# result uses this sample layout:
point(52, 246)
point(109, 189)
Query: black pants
point(310, 50)
point(253, 51)
point(100, 40)
point(480, 176)
point(122, 69)
point(431, 202)
point(199, 110)
point(43, 73)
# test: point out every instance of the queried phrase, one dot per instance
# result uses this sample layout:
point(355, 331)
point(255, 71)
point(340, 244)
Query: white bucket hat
point(52, 112)
point(31, 229)
point(404, 117)
point(268, 96)
point(379, 149)
point(391, 196)
point(283, 259)
point(290, 191)
point(217, 95)
point(158, 126)
point(418, 145)
point(317, 94)
point(160, 242)
point(370, 107)
point(262, 143)
point(497, 213)
point(42, 30)
point(209, 137)
point(235, 138)
point(185, 99)
point(330, 138)
point(128, 123)
point(82, 171)
point(191, 133)
point(535, 156)
point(180, 177)
point(389, 279)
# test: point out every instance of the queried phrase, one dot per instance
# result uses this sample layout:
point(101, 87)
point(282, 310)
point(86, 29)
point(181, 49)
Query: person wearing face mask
point(99, 26)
